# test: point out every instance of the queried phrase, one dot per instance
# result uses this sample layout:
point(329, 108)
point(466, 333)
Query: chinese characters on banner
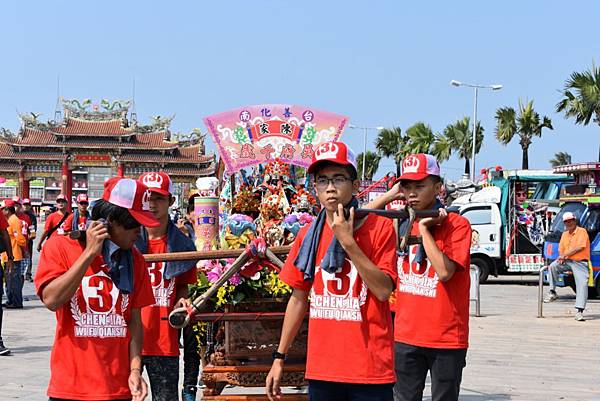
point(256, 134)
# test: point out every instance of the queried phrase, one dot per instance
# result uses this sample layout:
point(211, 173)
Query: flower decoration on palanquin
point(246, 201)
point(277, 170)
point(303, 201)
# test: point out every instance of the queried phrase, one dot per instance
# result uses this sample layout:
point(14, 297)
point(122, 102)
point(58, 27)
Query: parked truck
point(510, 216)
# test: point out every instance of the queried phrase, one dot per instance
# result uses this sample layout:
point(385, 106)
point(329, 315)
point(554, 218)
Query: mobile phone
point(80, 234)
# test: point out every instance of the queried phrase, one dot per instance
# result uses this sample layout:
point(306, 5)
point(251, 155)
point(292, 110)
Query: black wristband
point(279, 355)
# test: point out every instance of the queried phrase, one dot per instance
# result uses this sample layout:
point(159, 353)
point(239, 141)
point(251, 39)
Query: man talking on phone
point(97, 287)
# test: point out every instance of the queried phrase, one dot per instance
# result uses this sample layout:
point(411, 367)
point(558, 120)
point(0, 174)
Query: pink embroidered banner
point(256, 134)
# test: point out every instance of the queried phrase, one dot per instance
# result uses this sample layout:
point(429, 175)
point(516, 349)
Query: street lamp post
point(476, 87)
point(366, 129)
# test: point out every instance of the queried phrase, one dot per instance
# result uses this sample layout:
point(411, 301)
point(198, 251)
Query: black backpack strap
point(51, 231)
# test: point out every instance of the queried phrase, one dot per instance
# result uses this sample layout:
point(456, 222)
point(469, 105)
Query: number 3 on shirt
point(339, 284)
point(155, 271)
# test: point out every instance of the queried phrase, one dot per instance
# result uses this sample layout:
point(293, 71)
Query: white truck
point(508, 232)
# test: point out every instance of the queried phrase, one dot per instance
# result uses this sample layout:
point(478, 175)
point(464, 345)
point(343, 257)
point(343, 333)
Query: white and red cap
point(158, 182)
point(61, 197)
point(419, 166)
point(133, 196)
point(82, 198)
point(333, 152)
point(26, 201)
point(568, 216)
point(16, 199)
point(8, 203)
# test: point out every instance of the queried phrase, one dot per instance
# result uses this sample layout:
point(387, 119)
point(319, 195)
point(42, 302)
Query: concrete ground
point(513, 355)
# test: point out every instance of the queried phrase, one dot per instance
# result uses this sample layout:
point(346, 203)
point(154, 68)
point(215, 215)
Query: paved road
point(513, 355)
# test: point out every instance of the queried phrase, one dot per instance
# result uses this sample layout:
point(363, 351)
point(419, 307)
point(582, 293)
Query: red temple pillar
point(67, 183)
point(23, 184)
point(121, 169)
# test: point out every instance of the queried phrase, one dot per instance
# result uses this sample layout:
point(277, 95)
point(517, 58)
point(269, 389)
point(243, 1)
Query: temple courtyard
point(513, 354)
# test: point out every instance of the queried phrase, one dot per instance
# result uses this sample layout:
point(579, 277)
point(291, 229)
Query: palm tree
point(560, 159)
point(390, 143)
point(526, 125)
point(371, 166)
point(458, 137)
point(581, 97)
point(420, 139)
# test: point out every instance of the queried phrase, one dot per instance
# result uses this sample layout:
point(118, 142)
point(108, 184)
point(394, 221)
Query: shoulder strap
point(51, 231)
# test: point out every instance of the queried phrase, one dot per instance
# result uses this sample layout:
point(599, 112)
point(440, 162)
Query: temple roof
point(188, 171)
point(82, 127)
point(106, 128)
point(8, 152)
point(33, 137)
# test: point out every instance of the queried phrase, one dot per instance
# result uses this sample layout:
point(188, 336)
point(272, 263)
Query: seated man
point(573, 256)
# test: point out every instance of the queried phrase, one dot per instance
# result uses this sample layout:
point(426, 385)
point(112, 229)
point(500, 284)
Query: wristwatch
point(279, 355)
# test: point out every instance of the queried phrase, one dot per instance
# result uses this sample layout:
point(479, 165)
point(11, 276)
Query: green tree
point(420, 139)
point(526, 124)
point(371, 165)
point(391, 143)
point(581, 96)
point(458, 138)
point(560, 159)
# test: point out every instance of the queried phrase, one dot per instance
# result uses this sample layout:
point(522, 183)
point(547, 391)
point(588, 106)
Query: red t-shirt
point(429, 312)
point(160, 339)
point(350, 337)
point(81, 223)
point(26, 223)
point(52, 220)
point(90, 356)
point(3, 222)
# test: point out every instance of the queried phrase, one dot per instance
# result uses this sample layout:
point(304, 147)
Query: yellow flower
point(275, 286)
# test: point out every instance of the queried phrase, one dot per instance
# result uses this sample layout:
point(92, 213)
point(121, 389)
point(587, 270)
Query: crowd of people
point(380, 319)
point(109, 302)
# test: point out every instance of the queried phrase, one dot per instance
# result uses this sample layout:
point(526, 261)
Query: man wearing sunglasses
point(78, 219)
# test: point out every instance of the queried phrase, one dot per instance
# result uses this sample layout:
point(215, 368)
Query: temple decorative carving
point(91, 141)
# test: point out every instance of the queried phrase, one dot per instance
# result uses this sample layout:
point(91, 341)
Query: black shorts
point(334, 391)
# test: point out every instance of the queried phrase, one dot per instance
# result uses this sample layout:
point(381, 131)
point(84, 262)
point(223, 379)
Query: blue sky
point(378, 62)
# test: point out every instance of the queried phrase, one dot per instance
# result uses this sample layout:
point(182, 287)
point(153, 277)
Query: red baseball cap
point(16, 199)
point(82, 198)
point(419, 166)
point(9, 203)
point(61, 197)
point(333, 152)
point(133, 196)
point(26, 201)
point(158, 182)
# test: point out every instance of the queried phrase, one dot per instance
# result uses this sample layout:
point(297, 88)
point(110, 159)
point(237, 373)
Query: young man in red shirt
point(97, 288)
point(78, 219)
point(32, 233)
point(432, 300)
point(170, 284)
point(25, 228)
point(55, 221)
point(349, 269)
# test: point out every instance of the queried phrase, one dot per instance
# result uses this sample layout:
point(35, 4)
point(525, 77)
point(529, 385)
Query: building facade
point(86, 144)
